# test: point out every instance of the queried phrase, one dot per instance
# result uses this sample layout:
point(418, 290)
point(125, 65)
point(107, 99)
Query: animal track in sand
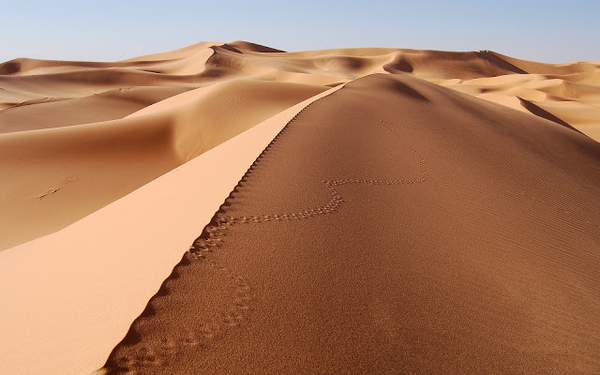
point(213, 237)
point(65, 180)
point(199, 336)
point(336, 199)
point(47, 193)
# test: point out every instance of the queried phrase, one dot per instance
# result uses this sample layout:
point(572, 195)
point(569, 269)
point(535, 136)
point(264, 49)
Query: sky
point(93, 30)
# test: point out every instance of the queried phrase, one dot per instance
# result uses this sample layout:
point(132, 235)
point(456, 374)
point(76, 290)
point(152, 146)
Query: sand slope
point(69, 297)
point(392, 227)
point(56, 176)
point(226, 88)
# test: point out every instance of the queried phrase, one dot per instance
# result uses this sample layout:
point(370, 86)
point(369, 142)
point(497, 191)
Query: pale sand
point(76, 136)
point(87, 282)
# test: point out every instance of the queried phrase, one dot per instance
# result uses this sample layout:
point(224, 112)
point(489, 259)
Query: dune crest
point(420, 217)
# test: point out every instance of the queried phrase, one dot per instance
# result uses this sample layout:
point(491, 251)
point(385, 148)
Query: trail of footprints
point(331, 206)
point(213, 235)
point(202, 335)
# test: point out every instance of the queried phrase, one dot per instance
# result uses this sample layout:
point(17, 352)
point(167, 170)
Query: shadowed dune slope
point(53, 177)
point(236, 85)
point(394, 226)
point(46, 113)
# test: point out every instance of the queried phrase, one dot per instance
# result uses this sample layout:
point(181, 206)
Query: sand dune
point(252, 82)
point(392, 227)
point(455, 233)
point(560, 90)
point(57, 175)
point(80, 306)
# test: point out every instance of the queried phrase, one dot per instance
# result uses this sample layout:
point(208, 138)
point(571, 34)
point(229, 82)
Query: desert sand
point(91, 279)
point(435, 212)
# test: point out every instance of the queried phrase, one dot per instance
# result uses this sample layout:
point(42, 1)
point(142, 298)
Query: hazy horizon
point(548, 31)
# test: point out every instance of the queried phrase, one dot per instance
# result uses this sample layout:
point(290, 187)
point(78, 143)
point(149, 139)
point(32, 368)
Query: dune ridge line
point(213, 236)
point(189, 323)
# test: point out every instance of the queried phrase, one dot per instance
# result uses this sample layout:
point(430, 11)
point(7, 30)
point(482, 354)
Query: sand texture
point(392, 227)
point(69, 297)
point(359, 211)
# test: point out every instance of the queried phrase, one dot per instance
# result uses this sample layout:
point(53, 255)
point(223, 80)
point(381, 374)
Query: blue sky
point(549, 31)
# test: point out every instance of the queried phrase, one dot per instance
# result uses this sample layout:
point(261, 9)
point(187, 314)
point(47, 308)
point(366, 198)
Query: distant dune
point(384, 223)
